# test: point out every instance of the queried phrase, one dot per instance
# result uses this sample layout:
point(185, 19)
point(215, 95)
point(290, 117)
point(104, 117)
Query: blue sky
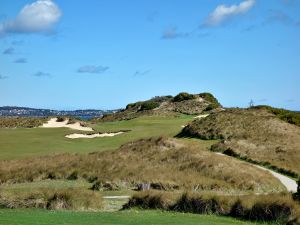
point(104, 54)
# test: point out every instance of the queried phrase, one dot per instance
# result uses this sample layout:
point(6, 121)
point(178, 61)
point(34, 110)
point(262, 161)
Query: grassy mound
point(252, 134)
point(166, 164)
point(186, 103)
point(283, 114)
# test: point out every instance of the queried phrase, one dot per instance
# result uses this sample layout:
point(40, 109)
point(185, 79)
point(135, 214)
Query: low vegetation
point(21, 122)
point(283, 114)
point(278, 208)
point(164, 163)
point(183, 96)
point(251, 134)
point(45, 198)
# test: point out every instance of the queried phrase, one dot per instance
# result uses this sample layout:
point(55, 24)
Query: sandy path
point(201, 116)
point(74, 136)
point(52, 123)
point(289, 183)
point(117, 197)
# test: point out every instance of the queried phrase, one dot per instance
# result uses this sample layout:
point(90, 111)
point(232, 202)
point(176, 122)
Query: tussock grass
point(165, 163)
point(279, 208)
point(71, 199)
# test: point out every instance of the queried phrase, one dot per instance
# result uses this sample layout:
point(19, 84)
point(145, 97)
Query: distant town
point(31, 112)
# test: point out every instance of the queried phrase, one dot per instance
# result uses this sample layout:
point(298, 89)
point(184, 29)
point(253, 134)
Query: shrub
point(210, 98)
point(149, 105)
point(211, 107)
point(183, 96)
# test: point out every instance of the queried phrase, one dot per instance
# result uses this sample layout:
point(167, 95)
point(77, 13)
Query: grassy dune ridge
point(252, 133)
point(170, 163)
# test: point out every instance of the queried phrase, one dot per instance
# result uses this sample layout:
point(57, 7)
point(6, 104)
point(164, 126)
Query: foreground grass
point(24, 143)
point(117, 218)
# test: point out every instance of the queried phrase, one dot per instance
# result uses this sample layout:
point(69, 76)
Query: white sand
point(52, 123)
point(116, 197)
point(201, 116)
point(74, 136)
point(290, 184)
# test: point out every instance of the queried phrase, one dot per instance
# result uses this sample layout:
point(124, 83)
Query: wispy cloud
point(42, 74)
point(37, 17)
point(139, 73)
point(93, 69)
point(3, 77)
point(9, 51)
point(21, 60)
point(173, 33)
point(223, 12)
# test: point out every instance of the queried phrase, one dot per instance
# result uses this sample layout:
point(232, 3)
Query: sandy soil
point(74, 136)
point(52, 123)
point(201, 116)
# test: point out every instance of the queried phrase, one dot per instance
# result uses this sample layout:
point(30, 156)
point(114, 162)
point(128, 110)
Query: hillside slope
point(191, 104)
point(167, 164)
point(252, 134)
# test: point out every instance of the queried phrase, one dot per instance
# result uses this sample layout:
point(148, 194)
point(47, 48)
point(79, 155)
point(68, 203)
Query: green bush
point(183, 96)
point(149, 105)
point(210, 98)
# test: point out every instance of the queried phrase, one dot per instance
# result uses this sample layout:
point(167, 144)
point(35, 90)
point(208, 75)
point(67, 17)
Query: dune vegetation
point(252, 134)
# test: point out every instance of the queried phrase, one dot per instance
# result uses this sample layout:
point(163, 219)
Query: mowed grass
point(132, 217)
point(24, 143)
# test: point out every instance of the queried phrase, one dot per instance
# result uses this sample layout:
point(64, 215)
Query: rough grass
point(165, 163)
point(26, 143)
point(128, 217)
point(253, 134)
point(278, 208)
point(24, 122)
point(283, 114)
point(45, 198)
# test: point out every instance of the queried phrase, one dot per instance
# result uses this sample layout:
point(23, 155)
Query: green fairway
point(132, 217)
point(23, 143)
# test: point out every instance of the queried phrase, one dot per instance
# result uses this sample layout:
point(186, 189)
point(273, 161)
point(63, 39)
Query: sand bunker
point(52, 123)
point(98, 135)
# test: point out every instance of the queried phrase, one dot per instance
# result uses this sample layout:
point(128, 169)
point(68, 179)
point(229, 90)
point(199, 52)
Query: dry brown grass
point(254, 134)
point(279, 208)
point(24, 122)
point(71, 199)
point(168, 163)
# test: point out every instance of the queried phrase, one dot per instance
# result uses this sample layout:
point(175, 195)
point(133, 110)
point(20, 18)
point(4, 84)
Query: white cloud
point(223, 12)
point(40, 16)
